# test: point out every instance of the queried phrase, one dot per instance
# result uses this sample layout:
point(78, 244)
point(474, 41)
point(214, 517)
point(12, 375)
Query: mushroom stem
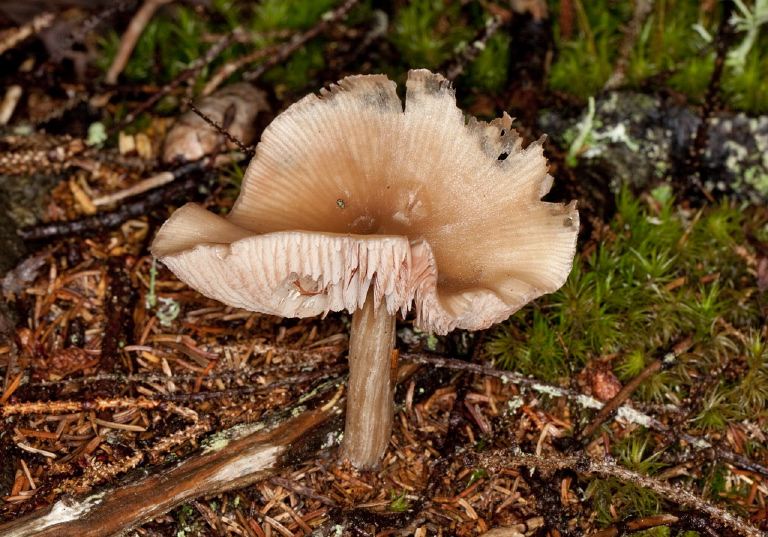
point(370, 399)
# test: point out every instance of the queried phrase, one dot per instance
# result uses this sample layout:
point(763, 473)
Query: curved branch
point(234, 458)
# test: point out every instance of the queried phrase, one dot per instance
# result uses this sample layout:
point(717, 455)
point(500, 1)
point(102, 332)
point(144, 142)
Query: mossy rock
point(641, 140)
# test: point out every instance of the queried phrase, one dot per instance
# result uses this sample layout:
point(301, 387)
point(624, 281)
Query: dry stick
point(235, 458)
point(178, 190)
point(723, 42)
point(11, 98)
point(246, 372)
point(617, 400)
point(205, 59)
point(298, 488)
point(95, 405)
point(165, 402)
point(131, 37)
point(629, 388)
point(229, 116)
point(97, 472)
point(86, 28)
point(643, 9)
point(120, 299)
point(250, 389)
point(507, 459)
point(705, 448)
point(160, 179)
point(13, 37)
point(637, 524)
point(228, 69)
point(299, 40)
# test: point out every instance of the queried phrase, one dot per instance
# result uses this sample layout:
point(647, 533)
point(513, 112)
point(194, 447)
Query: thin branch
point(643, 9)
point(131, 37)
point(702, 446)
point(165, 402)
point(13, 37)
point(629, 388)
point(228, 69)
point(232, 459)
point(508, 459)
point(723, 42)
point(131, 209)
point(229, 115)
point(299, 40)
point(637, 524)
point(473, 50)
point(205, 59)
point(158, 180)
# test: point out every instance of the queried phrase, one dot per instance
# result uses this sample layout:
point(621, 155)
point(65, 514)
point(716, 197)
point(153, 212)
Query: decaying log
point(231, 459)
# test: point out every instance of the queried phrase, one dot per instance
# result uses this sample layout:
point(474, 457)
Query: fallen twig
point(723, 42)
point(162, 178)
point(131, 37)
point(630, 387)
point(627, 413)
point(507, 459)
point(205, 59)
point(11, 38)
point(473, 50)
point(232, 459)
point(284, 52)
point(128, 210)
point(118, 305)
point(631, 33)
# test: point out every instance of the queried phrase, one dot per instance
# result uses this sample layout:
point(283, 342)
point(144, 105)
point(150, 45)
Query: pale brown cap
point(349, 190)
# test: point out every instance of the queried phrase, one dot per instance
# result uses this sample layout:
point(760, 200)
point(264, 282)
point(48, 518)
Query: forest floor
point(635, 399)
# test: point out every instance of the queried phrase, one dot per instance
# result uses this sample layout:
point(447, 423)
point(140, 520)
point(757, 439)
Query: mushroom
point(191, 137)
point(354, 203)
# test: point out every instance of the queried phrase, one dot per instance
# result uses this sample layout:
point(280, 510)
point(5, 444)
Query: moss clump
point(674, 46)
point(426, 34)
point(652, 277)
point(176, 37)
point(488, 72)
point(614, 499)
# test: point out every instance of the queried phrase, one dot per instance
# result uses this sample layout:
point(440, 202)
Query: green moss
point(675, 39)
point(580, 71)
point(489, 70)
point(662, 275)
point(289, 14)
point(616, 500)
point(168, 44)
point(176, 37)
point(398, 502)
point(427, 33)
point(625, 499)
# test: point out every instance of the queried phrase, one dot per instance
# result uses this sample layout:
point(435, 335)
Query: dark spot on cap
point(382, 100)
point(503, 156)
point(568, 222)
point(431, 85)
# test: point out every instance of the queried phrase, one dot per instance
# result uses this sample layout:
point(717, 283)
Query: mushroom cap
point(348, 190)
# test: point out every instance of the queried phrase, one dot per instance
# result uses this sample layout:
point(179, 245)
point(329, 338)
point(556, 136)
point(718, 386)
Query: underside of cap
point(457, 204)
point(291, 273)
